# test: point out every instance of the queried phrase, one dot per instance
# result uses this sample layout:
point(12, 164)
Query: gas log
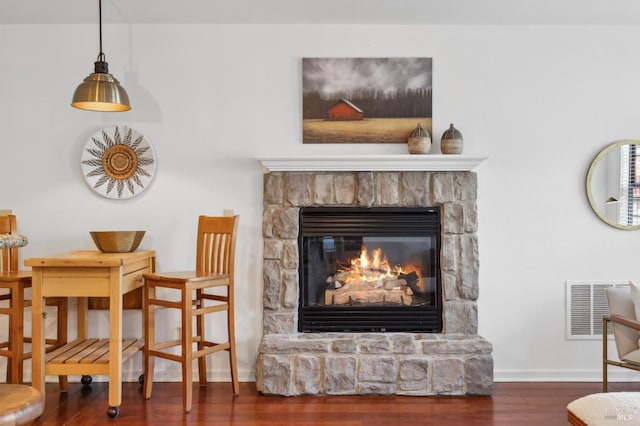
point(347, 288)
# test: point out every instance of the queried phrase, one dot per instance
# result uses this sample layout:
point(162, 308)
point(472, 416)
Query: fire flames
point(369, 278)
point(376, 266)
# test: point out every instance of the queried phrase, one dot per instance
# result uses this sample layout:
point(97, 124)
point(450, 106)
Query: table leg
point(62, 336)
point(115, 338)
point(37, 335)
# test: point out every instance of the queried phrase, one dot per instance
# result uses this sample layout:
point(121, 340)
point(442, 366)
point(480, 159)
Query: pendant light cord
point(101, 54)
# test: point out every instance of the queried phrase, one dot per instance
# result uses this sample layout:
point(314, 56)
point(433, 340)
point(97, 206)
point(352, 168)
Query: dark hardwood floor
point(540, 404)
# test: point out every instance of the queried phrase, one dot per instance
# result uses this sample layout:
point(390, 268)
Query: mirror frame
point(592, 167)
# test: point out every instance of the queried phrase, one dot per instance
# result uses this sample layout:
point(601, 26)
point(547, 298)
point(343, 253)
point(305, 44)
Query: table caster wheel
point(86, 380)
point(141, 379)
point(113, 412)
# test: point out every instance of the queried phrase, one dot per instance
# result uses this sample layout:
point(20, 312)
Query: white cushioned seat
point(604, 409)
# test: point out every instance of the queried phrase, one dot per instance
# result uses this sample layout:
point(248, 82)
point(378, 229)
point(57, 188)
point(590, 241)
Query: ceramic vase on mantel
point(419, 141)
point(451, 141)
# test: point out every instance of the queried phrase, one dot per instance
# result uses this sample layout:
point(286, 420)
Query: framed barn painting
point(365, 100)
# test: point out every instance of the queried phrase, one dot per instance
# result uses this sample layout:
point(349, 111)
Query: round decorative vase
point(419, 141)
point(451, 141)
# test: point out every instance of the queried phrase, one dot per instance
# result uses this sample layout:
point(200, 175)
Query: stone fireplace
point(456, 361)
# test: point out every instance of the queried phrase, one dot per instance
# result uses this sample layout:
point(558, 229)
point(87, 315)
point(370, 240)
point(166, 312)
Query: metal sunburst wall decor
point(118, 162)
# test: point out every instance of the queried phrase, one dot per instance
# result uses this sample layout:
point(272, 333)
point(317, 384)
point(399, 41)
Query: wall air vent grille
point(586, 305)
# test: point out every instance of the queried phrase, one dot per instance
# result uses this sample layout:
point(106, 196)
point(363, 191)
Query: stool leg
point(148, 317)
point(202, 362)
point(233, 364)
point(16, 333)
point(8, 372)
point(187, 347)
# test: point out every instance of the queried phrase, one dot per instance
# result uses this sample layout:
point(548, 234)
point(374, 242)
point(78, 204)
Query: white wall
point(540, 101)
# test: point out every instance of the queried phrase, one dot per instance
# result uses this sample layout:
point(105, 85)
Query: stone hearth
point(454, 362)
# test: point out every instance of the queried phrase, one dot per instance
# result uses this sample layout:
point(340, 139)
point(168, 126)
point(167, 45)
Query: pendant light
point(101, 91)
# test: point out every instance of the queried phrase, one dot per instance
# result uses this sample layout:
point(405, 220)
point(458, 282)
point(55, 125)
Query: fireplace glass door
point(370, 269)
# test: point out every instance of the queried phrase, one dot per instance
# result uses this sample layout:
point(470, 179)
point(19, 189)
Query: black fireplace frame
point(350, 221)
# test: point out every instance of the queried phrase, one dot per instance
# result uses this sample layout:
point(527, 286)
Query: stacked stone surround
point(454, 362)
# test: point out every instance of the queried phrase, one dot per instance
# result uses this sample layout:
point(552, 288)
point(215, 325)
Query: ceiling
point(377, 12)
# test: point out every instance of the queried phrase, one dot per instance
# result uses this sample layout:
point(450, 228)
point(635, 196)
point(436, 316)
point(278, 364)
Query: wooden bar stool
point(16, 281)
point(215, 254)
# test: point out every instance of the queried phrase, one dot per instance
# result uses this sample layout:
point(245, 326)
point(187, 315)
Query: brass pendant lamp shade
point(101, 91)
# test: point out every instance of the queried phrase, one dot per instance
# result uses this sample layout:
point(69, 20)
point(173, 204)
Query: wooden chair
point(215, 253)
point(16, 281)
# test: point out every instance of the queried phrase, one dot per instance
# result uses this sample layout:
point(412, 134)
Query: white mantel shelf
point(394, 162)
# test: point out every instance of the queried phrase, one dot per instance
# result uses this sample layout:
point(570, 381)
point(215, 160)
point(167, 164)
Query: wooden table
point(82, 274)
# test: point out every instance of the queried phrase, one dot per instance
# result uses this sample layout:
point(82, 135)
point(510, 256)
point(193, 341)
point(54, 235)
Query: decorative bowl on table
point(117, 241)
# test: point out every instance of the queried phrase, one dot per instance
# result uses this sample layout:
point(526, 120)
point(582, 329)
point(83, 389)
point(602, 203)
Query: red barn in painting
point(344, 110)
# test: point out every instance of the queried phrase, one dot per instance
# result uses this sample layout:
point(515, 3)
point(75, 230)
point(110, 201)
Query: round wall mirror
point(613, 184)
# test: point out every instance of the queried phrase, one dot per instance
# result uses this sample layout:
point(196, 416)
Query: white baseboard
point(614, 375)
